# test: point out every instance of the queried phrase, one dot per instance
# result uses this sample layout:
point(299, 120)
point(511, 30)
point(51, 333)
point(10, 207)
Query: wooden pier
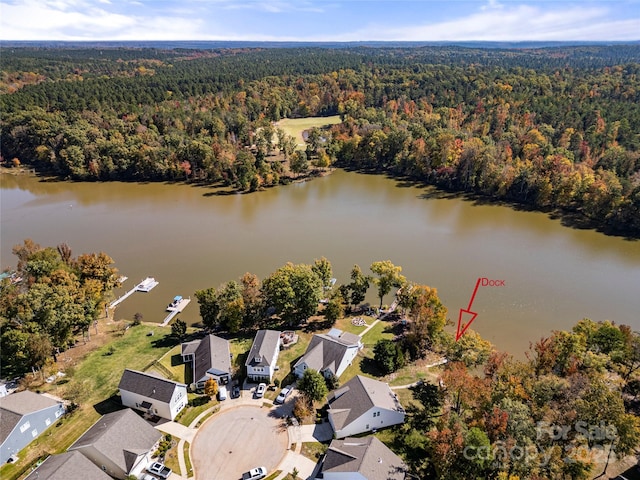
point(175, 310)
point(144, 286)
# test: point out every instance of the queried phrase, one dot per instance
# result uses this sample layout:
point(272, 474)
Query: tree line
point(549, 128)
point(50, 299)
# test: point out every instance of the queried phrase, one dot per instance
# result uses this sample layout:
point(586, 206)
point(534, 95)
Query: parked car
point(222, 393)
point(235, 391)
point(255, 473)
point(284, 393)
point(260, 389)
point(146, 476)
point(159, 469)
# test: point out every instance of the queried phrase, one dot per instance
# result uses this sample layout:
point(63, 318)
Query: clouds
point(315, 20)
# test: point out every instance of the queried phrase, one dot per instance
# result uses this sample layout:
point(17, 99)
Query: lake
point(191, 237)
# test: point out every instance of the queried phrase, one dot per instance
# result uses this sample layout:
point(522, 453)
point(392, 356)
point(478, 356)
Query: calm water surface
point(189, 238)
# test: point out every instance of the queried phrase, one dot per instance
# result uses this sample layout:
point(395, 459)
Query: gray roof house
point(152, 394)
point(262, 358)
point(23, 416)
point(210, 357)
point(329, 353)
point(67, 466)
point(364, 458)
point(119, 443)
point(363, 405)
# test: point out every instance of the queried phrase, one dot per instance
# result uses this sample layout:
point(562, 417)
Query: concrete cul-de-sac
point(236, 440)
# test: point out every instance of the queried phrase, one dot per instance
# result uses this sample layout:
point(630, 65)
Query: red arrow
point(464, 313)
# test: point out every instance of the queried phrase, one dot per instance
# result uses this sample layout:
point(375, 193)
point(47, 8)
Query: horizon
point(313, 21)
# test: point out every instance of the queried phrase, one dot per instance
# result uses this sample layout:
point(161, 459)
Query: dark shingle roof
point(368, 456)
point(357, 396)
point(13, 407)
point(68, 466)
point(211, 353)
point(121, 436)
point(327, 351)
point(148, 385)
point(265, 343)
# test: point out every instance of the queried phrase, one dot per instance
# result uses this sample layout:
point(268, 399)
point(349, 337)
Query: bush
point(301, 408)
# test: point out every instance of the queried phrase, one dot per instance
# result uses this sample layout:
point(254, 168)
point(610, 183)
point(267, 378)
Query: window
point(47, 422)
point(58, 413)
point(376, 414)
point(367, 427)
point(34, 433)
point(24, 427)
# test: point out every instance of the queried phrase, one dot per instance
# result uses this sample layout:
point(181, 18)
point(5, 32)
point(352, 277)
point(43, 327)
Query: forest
point(555, 129)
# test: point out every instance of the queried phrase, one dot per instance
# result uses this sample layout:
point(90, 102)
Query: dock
point(144, 286)
point(174, 309)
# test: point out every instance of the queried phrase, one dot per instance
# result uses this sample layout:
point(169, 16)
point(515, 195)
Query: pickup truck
point(159, 469)
point(255, 474)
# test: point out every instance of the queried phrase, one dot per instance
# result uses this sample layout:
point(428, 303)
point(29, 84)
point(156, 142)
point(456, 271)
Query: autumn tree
point(211, 387)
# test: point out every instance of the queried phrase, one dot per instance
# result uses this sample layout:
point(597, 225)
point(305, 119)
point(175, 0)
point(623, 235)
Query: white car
point(284, 393)
point(222, 393)
point(255, 473)
point(260, 389)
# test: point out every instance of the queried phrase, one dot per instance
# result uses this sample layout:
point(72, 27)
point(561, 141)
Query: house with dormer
point(152, 394)
point(263, 356)
point(209, 357)
point(119, 443)
point(363, 405)
point(329, 353)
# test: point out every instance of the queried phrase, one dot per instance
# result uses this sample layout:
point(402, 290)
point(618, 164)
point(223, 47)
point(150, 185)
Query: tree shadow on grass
point(165, 341)
point(110, 405)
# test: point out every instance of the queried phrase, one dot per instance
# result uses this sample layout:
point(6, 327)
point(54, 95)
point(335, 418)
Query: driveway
point(236, 440)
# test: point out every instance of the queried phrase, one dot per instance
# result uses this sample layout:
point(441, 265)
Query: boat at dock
point(147, 284)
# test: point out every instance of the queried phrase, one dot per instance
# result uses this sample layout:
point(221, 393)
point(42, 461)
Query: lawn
point(93, 385)
point(295, 126)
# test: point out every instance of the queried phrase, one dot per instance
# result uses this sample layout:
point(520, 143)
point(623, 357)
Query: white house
point(363, 405)
point(119, 443)
point(153, 395)
point(329, 353)
point(23, 416)
point(210, 357)
point(362, 459)
point(263, 356)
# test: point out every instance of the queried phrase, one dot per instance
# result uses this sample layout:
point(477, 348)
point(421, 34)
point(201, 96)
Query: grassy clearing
point(295, 126)
point(314, 450)
point(171, 458)
point(93, 384)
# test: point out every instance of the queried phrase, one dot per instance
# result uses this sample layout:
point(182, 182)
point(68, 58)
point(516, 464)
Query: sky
point(321, 20)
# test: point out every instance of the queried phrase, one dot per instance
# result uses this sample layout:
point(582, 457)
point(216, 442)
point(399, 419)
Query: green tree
point(178, 328)
point(387, 276)
point(312, 385)
point(334, 310)
point(294, 291)
point(322, 268)
point(298, 162)
point(358, 286)
point(209, 306)
point(388, 356)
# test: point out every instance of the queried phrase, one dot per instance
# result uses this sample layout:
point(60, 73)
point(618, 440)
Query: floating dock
point(175, 307)
point(144, 286)
point(147, 284)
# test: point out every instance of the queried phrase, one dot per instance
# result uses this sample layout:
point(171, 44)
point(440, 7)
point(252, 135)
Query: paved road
point(237, 440)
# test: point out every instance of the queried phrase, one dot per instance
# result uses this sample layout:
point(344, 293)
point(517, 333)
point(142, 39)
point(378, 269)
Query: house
point(23, 416)
point(119, 443)
point(67, 466)
point(210, 357)
point(364, 458)
point(261, 362)
point(363, 405)
point(329, 353)
point(151, 394)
